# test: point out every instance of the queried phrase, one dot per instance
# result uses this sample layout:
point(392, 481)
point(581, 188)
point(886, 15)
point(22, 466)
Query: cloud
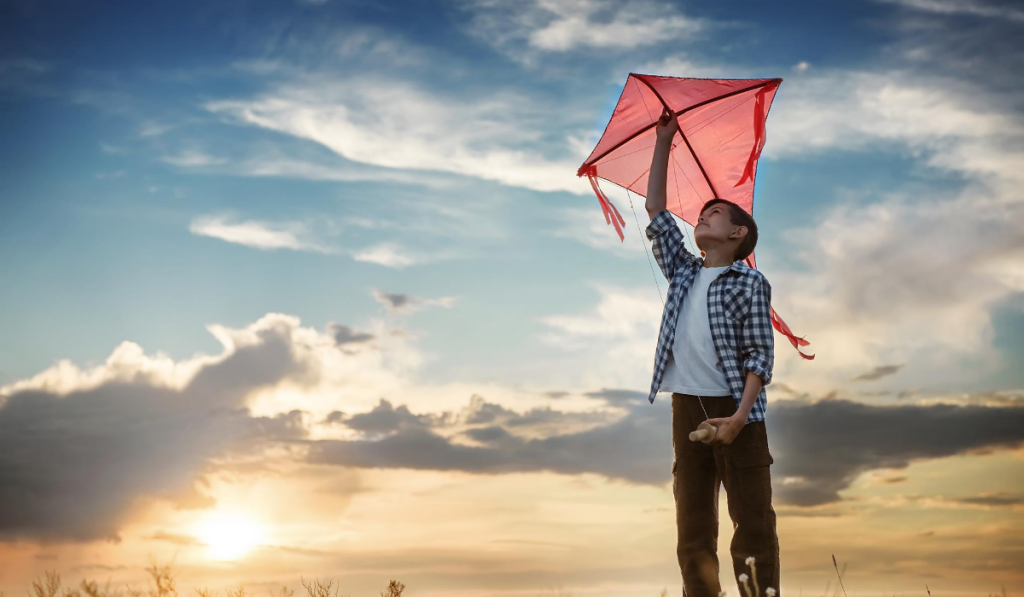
point(344, 334)
point(825, 445)
point(328, 43)
point(877, 373)
point(175, 538)
point(81, 448)
point(882, 283)
point(394, 124)
point(77, 448)
point(611, 344)
point(945, 121)
point(992, 499)
point(29, 65)
point(154, 129)
point(588, 226)
point(819, 448)
point(258, 234)
point(192, 158)
point(970, 7)
point(384, 418)
point(526, 30)
point(869, 281)
point(388, 255)
point(403, 303)
point(270, 164)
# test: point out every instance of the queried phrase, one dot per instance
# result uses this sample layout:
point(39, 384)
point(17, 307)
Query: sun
point(229, 535)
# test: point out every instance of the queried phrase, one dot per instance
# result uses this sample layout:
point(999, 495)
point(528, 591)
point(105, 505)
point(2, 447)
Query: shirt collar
point(737, 266)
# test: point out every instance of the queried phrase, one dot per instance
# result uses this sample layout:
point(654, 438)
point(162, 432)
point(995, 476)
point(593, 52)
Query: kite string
point(641, 234)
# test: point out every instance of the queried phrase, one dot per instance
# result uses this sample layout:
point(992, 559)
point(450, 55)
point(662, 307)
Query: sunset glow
point(229, 535)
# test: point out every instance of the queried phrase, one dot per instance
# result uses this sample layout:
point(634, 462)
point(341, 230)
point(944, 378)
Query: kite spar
point(721, 135)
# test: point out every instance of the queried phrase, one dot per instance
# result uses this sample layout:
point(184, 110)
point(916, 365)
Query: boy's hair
point(738, 217)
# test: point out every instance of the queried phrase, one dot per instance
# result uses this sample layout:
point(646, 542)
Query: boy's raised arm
point(667, 239)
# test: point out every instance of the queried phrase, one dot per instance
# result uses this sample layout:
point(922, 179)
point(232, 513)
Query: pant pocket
point(752, 476)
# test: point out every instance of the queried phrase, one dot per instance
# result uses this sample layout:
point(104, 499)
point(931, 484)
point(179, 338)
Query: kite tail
point(611, 214)
point(781, 326)
point(755, 151)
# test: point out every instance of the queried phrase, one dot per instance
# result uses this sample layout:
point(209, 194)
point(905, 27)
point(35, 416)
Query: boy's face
point(714, 227)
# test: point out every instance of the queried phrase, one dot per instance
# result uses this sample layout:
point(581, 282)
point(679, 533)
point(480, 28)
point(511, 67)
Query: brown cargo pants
point(697, 470)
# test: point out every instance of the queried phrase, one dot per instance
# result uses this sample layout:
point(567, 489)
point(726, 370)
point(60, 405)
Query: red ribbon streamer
point(759, 139)
point(611, 214)
point(781, 326)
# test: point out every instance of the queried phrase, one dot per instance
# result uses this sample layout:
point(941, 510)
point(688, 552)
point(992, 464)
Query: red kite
point(721, 134)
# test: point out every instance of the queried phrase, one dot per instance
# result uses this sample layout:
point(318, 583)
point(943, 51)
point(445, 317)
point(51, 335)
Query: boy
point(715, 354)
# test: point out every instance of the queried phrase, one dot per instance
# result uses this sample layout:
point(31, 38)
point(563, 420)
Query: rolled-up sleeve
point(757, 341)
point(667, 242)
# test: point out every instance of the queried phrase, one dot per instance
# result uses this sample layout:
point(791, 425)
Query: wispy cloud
point(258, 234)
point(588, 226)
point(403, 303)
point(526, 29)
point(395, 124)
point(610, 344)
point(274, 165)
point(947, 122)
point(970, 7)
point(24, 64)
point(192, 158)
point(388, 255)
point(153, 128)
point(877, 373)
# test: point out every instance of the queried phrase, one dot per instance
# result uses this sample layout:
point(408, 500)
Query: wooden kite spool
point(705, 433)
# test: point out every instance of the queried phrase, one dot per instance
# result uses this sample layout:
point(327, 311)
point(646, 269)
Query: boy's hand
point(728, 429)
point(667, 126)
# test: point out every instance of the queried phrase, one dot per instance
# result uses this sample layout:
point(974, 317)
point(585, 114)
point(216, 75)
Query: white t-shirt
point(693, 366)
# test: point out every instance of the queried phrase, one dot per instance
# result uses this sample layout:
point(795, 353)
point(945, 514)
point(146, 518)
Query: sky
point(311, 288)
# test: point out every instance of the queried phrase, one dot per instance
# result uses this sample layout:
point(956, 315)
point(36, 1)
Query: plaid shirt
point(738, 311)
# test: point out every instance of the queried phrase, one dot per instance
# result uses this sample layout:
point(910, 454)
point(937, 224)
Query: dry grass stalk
point(318, 589)
point(48, 587)
point(395, 589)
point(837, 572)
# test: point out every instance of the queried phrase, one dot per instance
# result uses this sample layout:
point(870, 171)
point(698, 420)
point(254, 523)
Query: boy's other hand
point(728, 429)
point(667, 126)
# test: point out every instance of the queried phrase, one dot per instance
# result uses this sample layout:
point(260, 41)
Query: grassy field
point(164, 584)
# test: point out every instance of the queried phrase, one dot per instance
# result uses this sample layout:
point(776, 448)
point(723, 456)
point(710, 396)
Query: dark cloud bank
point(71, 465)
point(827, 444)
